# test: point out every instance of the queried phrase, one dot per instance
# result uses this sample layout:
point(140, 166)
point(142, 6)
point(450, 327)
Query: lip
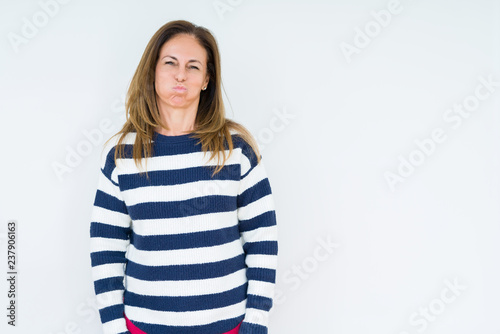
point(180, 88)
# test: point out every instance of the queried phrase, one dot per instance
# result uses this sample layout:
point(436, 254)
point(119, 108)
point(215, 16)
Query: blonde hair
point(212, 128)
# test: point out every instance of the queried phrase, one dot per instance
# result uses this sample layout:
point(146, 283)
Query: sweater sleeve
point(109, 240)
point(258, 230)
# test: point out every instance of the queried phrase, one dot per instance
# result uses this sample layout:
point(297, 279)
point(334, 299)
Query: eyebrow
point(191, 60)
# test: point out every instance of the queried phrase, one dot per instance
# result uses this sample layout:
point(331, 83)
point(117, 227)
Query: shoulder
point(247, 155)
point(109, 147)
point(243, 142)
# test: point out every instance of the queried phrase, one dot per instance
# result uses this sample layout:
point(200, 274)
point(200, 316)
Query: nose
point(180, 75)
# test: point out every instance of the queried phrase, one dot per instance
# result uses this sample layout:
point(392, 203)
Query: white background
point(330, 126)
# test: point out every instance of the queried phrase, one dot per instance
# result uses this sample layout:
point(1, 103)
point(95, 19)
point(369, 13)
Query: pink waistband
point(134, 330)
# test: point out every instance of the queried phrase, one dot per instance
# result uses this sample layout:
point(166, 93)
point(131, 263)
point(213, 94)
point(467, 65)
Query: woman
point(189, 246)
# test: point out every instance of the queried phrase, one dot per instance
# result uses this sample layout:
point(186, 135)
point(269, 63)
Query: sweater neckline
point(158, 137)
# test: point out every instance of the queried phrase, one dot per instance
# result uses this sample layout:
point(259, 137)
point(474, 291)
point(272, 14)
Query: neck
point(179, 120)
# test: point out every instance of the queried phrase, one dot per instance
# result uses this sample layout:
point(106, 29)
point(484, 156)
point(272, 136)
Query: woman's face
point(181, 73)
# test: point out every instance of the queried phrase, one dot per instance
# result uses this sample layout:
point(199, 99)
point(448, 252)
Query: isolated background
point(330, 128)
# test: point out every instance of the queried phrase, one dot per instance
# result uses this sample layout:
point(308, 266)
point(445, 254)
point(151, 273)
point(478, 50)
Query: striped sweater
point(182, 251)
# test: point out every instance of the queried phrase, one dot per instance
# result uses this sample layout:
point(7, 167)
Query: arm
point(109, 239)
point(258, 229)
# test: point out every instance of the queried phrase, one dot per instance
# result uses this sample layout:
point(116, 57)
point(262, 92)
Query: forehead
point(183, 46)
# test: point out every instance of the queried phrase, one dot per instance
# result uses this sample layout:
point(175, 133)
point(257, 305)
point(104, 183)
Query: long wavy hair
point(211, 127)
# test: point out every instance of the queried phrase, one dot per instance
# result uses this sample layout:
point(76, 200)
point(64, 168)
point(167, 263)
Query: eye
point(169, 62)
point(194, 67)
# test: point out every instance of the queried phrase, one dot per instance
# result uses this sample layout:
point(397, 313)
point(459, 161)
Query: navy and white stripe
point(182, 251)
